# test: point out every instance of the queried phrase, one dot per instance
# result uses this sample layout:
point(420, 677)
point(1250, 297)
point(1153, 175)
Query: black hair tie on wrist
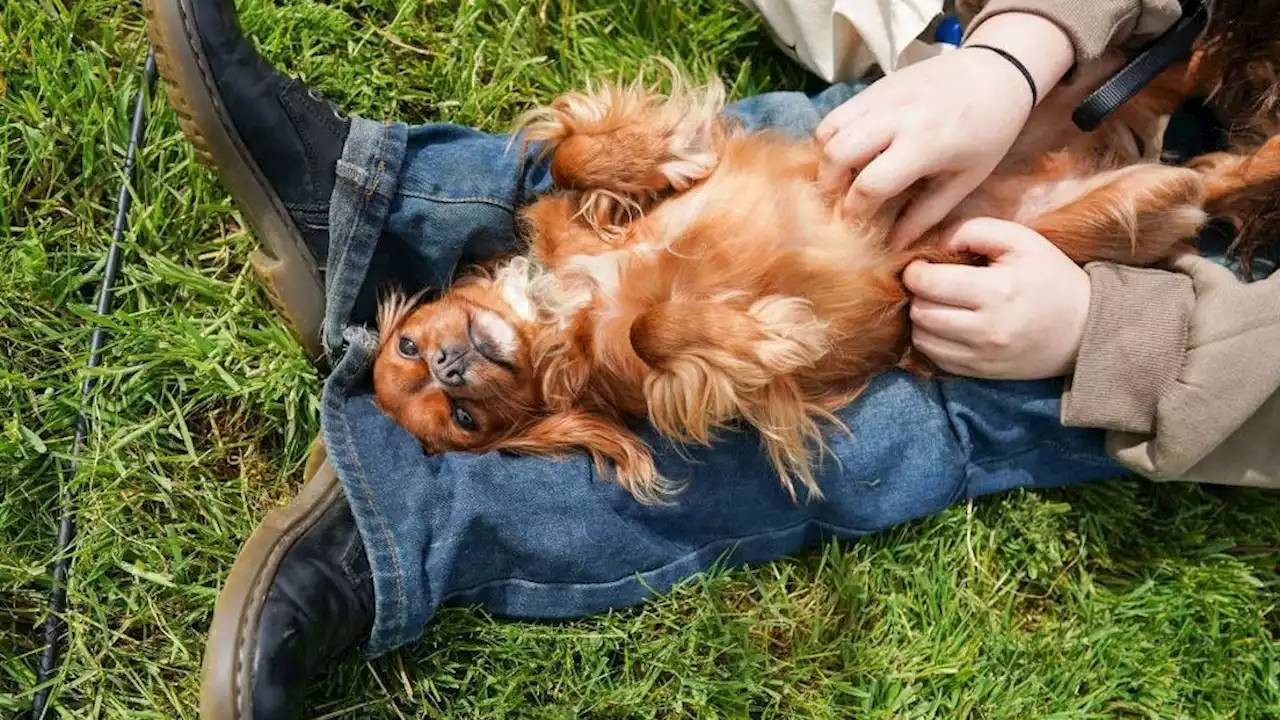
point(1031, 83)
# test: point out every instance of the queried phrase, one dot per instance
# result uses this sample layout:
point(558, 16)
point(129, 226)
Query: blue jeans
point(537, 538)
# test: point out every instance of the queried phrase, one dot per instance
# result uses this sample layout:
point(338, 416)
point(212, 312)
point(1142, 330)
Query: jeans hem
point(368, 176)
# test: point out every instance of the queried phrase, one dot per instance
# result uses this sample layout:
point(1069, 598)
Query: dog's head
point(457, 372)
point(462, 373)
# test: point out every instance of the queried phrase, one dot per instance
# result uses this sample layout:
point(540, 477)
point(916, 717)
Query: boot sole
point(226, 675)
point(283, 264)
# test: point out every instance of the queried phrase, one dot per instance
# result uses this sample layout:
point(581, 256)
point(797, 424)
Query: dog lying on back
point(696, 276)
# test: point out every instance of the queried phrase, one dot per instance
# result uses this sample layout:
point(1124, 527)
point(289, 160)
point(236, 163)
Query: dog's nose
point(449, 365)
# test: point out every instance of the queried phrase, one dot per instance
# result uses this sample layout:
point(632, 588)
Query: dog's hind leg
point(1142, 214)
point(622, 147)
point(1136, 215)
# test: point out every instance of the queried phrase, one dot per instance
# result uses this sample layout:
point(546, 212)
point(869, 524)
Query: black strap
point(1031, 82)
point(1155, 58)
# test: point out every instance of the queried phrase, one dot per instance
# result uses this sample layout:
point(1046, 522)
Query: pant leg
point(537, 538)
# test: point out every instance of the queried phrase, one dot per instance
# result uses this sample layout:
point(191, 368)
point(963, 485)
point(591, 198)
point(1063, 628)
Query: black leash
point(1155, 58)
point(53, 625)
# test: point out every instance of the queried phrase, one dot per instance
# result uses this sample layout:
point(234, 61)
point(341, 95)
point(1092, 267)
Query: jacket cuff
point(1093, 25)
point(1134, 343)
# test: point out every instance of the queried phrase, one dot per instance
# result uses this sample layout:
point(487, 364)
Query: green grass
point(1122, 599)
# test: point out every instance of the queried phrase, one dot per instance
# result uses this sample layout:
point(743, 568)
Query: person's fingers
point(951, 356)
point(988, 237)
point(885, 177)
point(849, 149)
point(964, 286)
point(956, 324)
point(848, 112)
point(931, 206)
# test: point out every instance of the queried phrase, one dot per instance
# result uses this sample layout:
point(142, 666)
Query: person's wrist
point(1079, 322)
point(1043, 48)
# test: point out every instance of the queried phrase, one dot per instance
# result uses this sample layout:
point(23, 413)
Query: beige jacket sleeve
point(1183, 369)
point(1093, 25)
point(841, 39)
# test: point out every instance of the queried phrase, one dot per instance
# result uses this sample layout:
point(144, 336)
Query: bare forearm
point(1040, 45)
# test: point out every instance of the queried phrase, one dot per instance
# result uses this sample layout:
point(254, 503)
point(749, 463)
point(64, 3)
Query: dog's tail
point(715, 361)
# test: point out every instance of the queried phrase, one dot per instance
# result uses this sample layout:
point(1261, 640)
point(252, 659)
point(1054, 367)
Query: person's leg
point(523, 536)
point(536, 538)
point(540, 538)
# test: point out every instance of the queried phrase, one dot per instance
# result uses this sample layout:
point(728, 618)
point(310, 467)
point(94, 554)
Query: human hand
point(1021, 317)
point(947, 120)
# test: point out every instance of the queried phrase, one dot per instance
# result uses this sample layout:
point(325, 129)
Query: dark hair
point(1238, 72)
point(1240, 66)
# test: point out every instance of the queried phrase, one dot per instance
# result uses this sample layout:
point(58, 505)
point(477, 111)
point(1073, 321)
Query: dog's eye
point(407, 348)
point(463, 419)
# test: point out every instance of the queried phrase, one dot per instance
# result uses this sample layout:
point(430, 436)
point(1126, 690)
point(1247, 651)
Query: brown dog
point(695, 275)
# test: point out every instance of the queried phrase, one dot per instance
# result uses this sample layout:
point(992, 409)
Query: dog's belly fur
point(755, 230)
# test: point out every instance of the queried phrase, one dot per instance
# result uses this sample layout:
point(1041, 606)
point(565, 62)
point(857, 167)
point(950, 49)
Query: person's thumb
point(985, 236)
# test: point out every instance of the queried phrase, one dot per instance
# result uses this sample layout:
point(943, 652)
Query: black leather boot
point(273, 143)
point(299, 595)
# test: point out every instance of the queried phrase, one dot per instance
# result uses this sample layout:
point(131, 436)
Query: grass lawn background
point(1123, 599)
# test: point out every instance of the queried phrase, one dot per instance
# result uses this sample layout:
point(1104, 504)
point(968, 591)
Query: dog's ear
point(605, 441)
point(564, 364)
point(393, 307)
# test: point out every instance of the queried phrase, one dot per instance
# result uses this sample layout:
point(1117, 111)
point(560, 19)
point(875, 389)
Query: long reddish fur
point(716, 284)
